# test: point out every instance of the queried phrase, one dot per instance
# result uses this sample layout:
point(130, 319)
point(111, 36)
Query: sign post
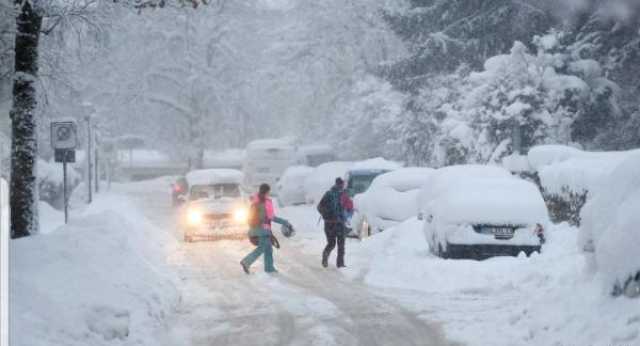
point(64, 139)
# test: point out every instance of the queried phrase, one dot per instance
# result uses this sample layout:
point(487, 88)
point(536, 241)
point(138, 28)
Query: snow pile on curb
point(101, 280)
point(565, 167)
point(611, 221)
point(548, 299)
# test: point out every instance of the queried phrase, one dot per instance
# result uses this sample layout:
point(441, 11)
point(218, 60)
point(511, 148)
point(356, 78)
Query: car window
point(215, 191)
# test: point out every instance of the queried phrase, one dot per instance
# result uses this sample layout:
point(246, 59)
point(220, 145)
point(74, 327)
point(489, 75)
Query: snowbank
point(322, 178)
point(291, 185)
point(50, 219)
point(610, 223)
point(101, 280)
point(561, 167)
point(546, 299)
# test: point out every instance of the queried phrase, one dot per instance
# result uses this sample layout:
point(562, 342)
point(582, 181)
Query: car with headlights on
point(473, 211)
point(216, 206)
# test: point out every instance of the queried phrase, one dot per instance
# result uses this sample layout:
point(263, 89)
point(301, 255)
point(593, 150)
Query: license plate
point(503, 232)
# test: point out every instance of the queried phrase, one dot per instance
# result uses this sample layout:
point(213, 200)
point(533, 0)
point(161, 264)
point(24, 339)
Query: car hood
point(222, 205)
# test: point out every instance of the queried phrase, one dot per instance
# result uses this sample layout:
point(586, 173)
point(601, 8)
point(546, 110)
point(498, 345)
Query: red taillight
point(540, 233)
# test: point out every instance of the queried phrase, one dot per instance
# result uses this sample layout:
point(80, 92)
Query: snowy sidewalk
point(101, 280)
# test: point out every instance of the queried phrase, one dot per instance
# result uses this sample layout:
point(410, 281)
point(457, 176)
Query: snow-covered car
point(216, 207)
point(315, 155)
point(290, 187)
point(481, 211)
point(610, 230)
point(390, 200)
point(322, 178)
point(360, 176)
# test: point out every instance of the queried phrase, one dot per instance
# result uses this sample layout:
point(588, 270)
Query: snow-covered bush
point(567, 177)
point(290, 187)
point(610, 227)
point(369, 118)
point(50, 182)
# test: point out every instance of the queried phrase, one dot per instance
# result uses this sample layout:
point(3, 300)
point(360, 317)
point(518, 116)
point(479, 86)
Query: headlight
point(240, 215)
point(194, 217)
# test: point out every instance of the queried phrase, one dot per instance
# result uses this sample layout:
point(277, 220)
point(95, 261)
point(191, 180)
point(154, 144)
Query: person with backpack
point(334, 207)
point(261, 215)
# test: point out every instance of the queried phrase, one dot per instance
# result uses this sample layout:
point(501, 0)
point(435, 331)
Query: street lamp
point(89, 112)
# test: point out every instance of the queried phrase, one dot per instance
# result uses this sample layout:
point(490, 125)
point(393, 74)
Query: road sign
point(64, 135)
point(65, 156)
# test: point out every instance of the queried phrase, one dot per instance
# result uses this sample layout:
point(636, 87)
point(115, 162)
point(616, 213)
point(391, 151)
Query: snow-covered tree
point(368, 128)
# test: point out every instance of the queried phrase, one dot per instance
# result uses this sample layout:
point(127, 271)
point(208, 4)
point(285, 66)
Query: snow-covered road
point(304, 304)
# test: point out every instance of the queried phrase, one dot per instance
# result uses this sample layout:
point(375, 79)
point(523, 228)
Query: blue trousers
point(264, 247)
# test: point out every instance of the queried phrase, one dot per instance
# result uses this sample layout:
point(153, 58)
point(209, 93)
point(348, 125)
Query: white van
point(315, 155)
point(265, 161)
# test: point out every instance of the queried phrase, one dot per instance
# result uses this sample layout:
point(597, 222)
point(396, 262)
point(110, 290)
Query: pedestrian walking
point(261, 215)
point(334, 207)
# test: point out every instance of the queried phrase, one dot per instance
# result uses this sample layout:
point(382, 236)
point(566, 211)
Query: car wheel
point(442, 253)
point(364, 230)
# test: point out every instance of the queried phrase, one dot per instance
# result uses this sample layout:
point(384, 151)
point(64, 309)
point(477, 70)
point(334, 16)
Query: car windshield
point(361, 182)
point(215, 191)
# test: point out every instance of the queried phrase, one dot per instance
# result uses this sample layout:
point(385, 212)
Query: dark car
point(179, 191)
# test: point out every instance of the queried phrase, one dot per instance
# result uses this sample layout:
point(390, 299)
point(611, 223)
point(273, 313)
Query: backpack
point(254, 218)
point(325, 208)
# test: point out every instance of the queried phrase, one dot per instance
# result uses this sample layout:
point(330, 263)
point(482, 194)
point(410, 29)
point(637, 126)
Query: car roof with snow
point(403, 179)
point(214, 176)
point(493, 201)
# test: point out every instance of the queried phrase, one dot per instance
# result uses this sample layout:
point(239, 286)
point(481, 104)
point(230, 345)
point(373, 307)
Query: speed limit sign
point(64, 135)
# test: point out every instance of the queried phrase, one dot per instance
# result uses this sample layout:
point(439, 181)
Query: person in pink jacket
point(262, 206)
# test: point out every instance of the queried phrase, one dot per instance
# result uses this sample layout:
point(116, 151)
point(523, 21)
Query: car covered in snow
point(322, 178)
point(473, 211)
point(390, 200)
point(360, 176)
point(290, 187)
point(216, 207)
point(610, 232)
point(315, 155)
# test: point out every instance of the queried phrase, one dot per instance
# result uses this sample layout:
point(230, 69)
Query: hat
point(339, 181)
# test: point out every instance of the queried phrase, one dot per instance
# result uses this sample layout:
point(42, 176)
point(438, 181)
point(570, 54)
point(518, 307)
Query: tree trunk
point(24, 147)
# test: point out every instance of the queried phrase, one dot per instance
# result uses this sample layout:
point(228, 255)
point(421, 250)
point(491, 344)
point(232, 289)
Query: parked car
point(609, 233)
point(290, 187)
point(360, 176)
point(390, 200)
point(472, 211)
point(216, 207)
point(315, 155)
point(322, 178)
point(179, 191)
